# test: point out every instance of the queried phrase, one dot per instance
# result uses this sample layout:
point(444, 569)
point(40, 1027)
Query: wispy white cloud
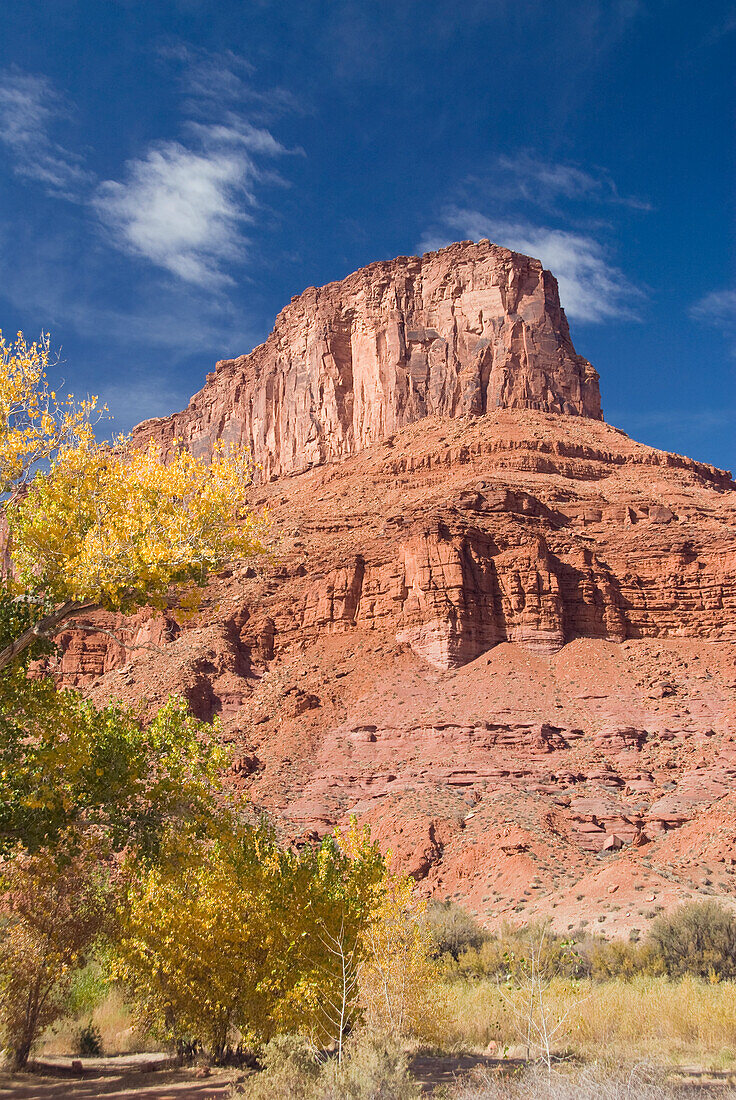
point(29, 107)
point(183, 205)
point(205, 74)
point(212, 82)
point(697, 420)
point(721, 28)
point(236, 131)
point(181, 209)
point(592, 289)
point(138, 398)
point(717, 308)
point(517, 202)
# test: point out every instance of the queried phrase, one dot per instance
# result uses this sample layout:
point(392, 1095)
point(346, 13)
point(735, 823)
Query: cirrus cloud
point(183, 205)
point(29, 107)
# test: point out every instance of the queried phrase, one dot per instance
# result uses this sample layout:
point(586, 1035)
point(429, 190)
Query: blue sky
point(173, 171)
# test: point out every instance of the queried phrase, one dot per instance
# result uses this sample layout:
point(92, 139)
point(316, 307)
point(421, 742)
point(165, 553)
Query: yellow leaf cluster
point(118, 527)
point(33, 423)
point(232, 939)
point(398, 975)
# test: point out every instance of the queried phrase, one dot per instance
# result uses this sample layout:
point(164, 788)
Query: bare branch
point(45, 628)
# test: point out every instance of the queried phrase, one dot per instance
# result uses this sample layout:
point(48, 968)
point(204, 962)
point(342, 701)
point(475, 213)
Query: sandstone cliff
point(453, 333)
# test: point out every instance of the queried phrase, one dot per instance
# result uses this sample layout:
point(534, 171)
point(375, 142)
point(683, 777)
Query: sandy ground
point(178, 1084)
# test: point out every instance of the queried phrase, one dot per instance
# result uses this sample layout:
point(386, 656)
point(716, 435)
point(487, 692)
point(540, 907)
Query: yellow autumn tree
point(397, 974)
point(34, 424)
point(87, 526)
point(92, 525)
point(231, 939)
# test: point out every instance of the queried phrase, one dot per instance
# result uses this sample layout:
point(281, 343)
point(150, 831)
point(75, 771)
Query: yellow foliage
point(196, 943)
point(33, 423)
point(234, 938)
point(398, 976)
point(119, 527)
point(98, 525)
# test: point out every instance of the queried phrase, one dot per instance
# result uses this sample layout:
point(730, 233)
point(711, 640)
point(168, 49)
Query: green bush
point(698, 938)
point(454, 929)
point(510, 953)
point(290, 1071)
point(88, 989)
point(89, 1042)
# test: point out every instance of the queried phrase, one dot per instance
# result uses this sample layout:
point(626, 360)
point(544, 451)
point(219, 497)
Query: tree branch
point(44, 628)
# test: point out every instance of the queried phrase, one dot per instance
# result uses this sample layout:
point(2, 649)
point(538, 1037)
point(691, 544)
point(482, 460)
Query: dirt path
point(178, 1084)
point(434, 1070)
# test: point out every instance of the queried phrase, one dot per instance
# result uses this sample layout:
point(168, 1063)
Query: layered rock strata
point(507, 642)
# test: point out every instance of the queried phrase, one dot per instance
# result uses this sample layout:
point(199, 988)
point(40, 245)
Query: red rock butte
point(455, 333)
point(495, 627)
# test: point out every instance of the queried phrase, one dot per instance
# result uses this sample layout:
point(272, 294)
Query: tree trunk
point(21, 1053)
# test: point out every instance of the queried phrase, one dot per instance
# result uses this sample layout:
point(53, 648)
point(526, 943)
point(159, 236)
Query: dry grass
point(114, 1019)
point(589, 1083)
point(688, 1021)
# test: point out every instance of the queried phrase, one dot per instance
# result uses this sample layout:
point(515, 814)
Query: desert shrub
point(290, 1071)
point(593, 1082)
point(508, 954)
point(112, 1017)
point(374, 1067)
point(622, 959)
point(487, 961)
point(89, 1041)
point(697, 938)
point(453, 928)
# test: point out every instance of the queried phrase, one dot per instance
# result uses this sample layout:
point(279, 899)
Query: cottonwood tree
point(237, 937)
point(340, 1006)
point(397, 973)
point(95, 526)
point(52, 908)
point(539, 1021)
point(68, 765)
point(90, 526)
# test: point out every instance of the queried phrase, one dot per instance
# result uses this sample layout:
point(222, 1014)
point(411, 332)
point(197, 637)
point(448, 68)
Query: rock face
point(505, 638)
point(454, 333)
